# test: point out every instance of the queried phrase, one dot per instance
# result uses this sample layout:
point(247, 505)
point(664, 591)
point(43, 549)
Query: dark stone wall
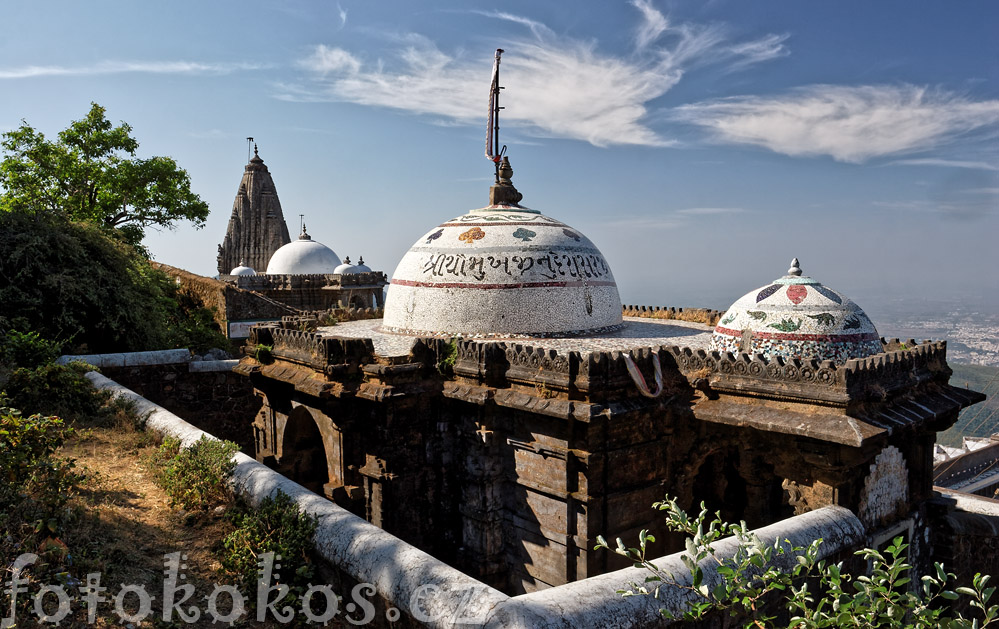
point(221, 403)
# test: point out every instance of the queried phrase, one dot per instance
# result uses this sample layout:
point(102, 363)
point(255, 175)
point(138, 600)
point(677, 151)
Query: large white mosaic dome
point(303, 257)
point(797, 317)
point(502, 270)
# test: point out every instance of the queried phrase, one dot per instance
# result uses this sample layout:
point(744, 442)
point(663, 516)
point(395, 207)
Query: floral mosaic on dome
point(797, 317)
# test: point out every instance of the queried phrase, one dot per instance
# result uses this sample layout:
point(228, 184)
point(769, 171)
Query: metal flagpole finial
point(493, 151)
point(249, 141)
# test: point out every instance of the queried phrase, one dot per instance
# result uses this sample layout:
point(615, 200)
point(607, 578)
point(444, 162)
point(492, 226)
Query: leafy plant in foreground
point(815, 592)
point(196, 477)
point(275, 525)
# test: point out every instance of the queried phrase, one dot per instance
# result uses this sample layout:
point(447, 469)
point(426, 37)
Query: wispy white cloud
point(564, 87)
point(653, 24)
point(981, 191)
point(122, 67)
point(342, 12)
point(848, 123)
point(948, 163)
point(538, 29)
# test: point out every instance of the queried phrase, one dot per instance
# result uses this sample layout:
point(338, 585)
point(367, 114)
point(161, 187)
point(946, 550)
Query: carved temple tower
point(256, 228)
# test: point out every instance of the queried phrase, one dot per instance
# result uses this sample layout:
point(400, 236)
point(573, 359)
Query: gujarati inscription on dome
point(550, 265)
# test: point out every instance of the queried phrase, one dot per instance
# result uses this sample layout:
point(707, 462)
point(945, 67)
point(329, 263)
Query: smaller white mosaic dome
point(797, 317)
point(346, 268)
point(242, 269)
point(303, 257)
point(361, 267)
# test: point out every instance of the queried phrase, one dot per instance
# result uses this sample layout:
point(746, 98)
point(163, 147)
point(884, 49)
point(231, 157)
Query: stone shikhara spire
point(256, 228)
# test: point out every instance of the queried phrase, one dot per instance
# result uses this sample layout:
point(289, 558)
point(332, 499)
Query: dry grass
point(694, 315)
point(124, 524)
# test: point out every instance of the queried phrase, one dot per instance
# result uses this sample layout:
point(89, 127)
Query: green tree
point(91, 174)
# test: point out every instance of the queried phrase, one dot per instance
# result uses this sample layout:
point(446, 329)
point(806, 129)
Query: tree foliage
point(815, 593)
point(76, 285)
point(91, 173)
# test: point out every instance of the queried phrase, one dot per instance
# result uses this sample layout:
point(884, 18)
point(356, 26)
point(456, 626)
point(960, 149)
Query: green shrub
point(275, 525)
point(264, 354)
point(58, 390)
point(79, 284)
point(195, 478)
point(27, 349)
point(815, 593)
point(33, 484)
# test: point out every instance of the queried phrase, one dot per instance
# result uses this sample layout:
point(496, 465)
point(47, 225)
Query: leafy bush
point(264, 353)
point(27, 349)
point(195, 478)
point(275, 525)
point(33, 484)
point(883, 598)
point(91, 292)
point(58, 390)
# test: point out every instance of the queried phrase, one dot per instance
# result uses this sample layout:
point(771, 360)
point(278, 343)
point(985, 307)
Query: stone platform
point(636, 333)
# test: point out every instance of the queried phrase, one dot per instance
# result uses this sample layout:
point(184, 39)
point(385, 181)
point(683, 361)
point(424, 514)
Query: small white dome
point(361, 267)
point(303, 257)
point(242, 269)
point(346, 268)
point(797, 317)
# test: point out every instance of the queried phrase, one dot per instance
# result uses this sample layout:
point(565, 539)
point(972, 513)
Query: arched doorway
point(303, 457)
point(720, 486)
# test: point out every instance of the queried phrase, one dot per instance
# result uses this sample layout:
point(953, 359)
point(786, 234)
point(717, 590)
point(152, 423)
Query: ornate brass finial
point(304, 235)
point(503, 192)
point(346, 260)
point(795, 270)
point(255, 150)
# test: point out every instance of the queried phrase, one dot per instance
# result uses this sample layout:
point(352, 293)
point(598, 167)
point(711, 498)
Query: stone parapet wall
point(267, 282)
point(707, 316)
point(227, 302)
point(873, 379)
point(207, 392)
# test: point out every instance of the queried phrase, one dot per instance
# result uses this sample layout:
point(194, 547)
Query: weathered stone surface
point(509, 457)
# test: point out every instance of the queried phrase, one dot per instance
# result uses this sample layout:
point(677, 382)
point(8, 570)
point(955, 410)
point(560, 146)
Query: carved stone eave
point(827, 426)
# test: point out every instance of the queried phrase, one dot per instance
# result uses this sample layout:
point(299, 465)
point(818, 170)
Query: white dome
point(346, 268)
point(303, 257)
point(797, 317)
point(361, 267)
point(501, 270)
point(242, 269)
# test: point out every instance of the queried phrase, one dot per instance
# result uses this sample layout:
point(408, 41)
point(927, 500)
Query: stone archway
point(303, 455)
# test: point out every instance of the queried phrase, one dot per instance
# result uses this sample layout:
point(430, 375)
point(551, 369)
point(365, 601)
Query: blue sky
point(700, 145)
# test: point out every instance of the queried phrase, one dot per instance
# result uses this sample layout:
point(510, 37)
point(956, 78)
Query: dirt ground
point(124, 527)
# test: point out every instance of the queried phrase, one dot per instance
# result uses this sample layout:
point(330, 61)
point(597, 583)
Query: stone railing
point(706, 316)
point(329, 355)
point(899, 368)
point(264, 282)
